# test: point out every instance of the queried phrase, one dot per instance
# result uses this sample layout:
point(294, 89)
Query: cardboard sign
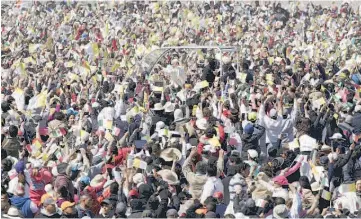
point(138, 163)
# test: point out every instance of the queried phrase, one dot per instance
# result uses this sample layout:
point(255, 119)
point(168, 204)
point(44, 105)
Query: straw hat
point(170, 153)
point(169, 176)
point(97, 180)
point(169, 107)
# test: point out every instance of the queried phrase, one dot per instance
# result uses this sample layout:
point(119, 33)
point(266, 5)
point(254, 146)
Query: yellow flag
point(95, 49)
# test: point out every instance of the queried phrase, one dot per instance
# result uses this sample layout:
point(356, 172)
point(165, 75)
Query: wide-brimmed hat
point(169, 107)
point(178, 115)
point(169, 176)
point(13, 213)
point(97, 180)
point(169, 154)
point(138, 178)
point(158, 107)
point(280, 211)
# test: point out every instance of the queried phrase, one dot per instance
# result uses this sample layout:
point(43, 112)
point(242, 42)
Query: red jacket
point(117, 160)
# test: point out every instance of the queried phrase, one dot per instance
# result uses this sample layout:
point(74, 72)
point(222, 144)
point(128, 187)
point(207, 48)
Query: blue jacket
point(23, 204)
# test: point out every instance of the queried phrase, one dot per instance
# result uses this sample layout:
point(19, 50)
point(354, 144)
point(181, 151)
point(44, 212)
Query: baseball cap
point(252, 153)
point(249, 129)
point(106, 201)
point(66, 205)
point(133, 192)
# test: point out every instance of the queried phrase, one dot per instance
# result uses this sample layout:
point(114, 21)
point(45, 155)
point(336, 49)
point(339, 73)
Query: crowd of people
point(271, 133)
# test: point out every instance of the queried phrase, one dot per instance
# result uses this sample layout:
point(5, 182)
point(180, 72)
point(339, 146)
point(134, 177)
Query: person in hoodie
point(26, 207)
point(250, 139)
point(63, 179)
point(49, 209)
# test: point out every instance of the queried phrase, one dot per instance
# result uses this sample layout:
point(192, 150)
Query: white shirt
point(212, 185)
point(307, 143)
point(275, 127)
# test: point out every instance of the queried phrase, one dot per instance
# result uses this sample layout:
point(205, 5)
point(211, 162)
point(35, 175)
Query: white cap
point(160, 125)
point(252, 153)
point(336, 136)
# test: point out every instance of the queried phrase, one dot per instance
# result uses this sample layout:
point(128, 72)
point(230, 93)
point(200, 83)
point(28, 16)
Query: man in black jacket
point(250, 139)
point(336, 175)
point(208, 74)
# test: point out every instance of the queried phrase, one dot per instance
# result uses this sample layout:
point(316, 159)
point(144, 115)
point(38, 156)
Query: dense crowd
point(272, 132)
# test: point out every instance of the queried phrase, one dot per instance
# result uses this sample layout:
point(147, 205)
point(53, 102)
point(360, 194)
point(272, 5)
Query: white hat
point(49, 189)
point(158, 107)
point(170, 153)
point(13, 213)
point(159, 125)
point(315, 186)
point(138, 178)
point(273, 113)
point(280, 211)
point(37, 164)
point(336, 136)
point(178, 115)
point(202, 124)
point(252, 153)
point(169, 107)
point(357, 108)
point(169, 176)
